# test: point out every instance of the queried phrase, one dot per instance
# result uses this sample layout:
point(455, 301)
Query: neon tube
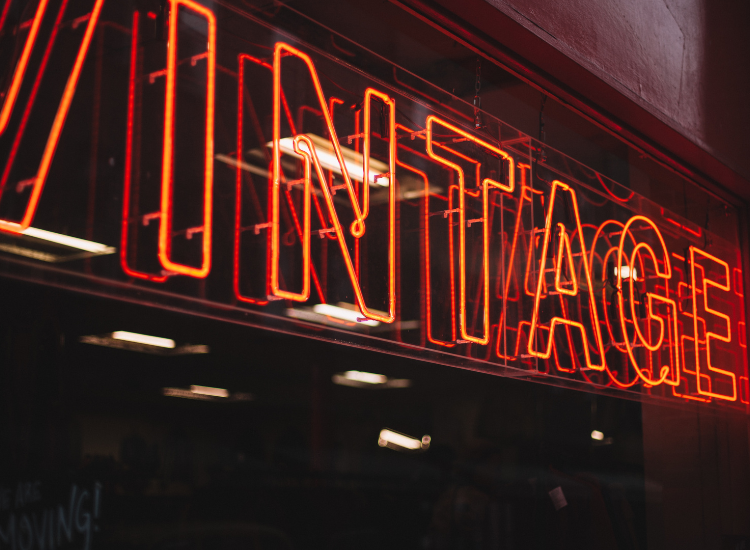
point(547, 351)
point(343, 314)
point(710, 335)
point(665, 273)
point(23, 61)
point(486, 183)
point(167, 183)
point(358, 226)
point(352, 159)
point(128, 175)
point(57, 126)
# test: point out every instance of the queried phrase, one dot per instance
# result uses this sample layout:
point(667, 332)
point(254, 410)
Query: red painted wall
point(685, 62)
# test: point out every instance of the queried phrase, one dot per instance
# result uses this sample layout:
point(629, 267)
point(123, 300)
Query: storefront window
point(252, 254)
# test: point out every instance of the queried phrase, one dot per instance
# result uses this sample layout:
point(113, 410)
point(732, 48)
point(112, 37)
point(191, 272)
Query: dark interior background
point(299, 465)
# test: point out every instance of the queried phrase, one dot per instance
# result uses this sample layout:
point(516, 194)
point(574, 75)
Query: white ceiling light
point(143, 339)
point(206, 393)
point(243, 165)
point(46, 246)
point(401, 442)
point(345, 314)
point(353, 160)
point(359, 379)
point(72, 242)
point(625, 270)
point(207, 390)
point(366, 377)
point(144, 343)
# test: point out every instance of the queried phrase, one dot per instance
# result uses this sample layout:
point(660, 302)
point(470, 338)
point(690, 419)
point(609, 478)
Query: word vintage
point(253, 172)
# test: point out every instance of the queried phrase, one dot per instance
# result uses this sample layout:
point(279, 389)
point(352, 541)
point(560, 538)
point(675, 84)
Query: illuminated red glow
point(666, 274)
point(679, 225)
point(486, 183)
point(238, 229)
point(526, 195)
point(167, 183)
point(304, 147)
point(666, 324)
point(555, 321)
point(426, 248)
point(4, 14)
point(23, 61)
point(264, 225)
point(60, 116)
point(128, 176)
point(426, 267)
point(710, 335)
point(18, 138)
point(565, 257)
point(572, 265)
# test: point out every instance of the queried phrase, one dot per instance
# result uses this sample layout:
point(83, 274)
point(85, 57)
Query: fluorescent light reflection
point(625, 270)
point(142, 343)
point(53, 248)
point(206, 393)
point(345, 314)
point(359, 379)
point(207, 390)
point(328, 161)
point(367, 377)
point(30, 253)
point(597, 435)
point(243, 165)
point(72, 242)
point(419, 193)
point(401, 442)
point(143, 339)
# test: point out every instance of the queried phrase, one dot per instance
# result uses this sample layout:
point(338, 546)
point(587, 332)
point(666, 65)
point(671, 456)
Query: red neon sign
point(706, 283)
point(555, 321)
point(486, 184)
point(167, 183)
point(352, 195)
point(15, 84)
point(128, 176)
point(38, 181)
point(304, 146)
point(666, 274)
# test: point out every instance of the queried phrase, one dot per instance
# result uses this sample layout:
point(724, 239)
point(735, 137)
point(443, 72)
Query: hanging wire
point(478, 100)
point(542, 131)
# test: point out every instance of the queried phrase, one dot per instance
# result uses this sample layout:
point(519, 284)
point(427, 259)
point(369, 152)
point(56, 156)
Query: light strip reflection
point(366, 377)
point(354, 161)
point(65, 240)
point(389, 438)
point(205, 393)
point(359, 379)
point(344, 314)
point(626, 272)
point(207, 390)
point(143, 339)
